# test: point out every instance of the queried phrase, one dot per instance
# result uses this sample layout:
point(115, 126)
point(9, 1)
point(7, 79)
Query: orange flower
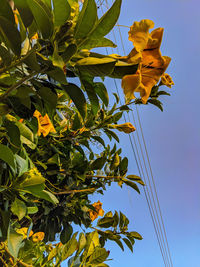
point(16, 14)
point(147, 53)
point(37, 237)
point(99, 211)
point(44, 124)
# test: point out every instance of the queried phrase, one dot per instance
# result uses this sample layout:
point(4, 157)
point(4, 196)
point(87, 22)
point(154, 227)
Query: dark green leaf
point(89, 88)
point(96, 66)
point(61, 11)
point(131, 184)
point(122, 68)
point(24, 11)
point(98, 164)
point(135, 235)
point(66, 233)
point(98, 139)
point(86, 20)
point(156, 103)
point(48, 96)
point(11, 35)
point(105, 222)
point(102, 92)
point(128, 243)
point(70, 247)
point(77, 97)
point(111, 134)
point(6, 11)
point(42, 17)
point(5, 55)
point(69, 52)
point(119, 243)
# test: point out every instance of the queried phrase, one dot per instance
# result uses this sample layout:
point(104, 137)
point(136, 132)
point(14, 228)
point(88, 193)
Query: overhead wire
point(164, 248)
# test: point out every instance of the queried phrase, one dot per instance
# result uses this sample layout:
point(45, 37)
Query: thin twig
point(19, 83)
point(76, 191)
point(104, 177)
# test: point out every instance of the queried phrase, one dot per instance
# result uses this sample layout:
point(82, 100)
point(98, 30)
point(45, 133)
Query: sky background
point(172, 138)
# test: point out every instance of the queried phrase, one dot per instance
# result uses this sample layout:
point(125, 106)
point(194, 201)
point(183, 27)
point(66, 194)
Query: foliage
point(52, 113)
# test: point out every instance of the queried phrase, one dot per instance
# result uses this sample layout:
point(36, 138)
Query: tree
point(49, 125)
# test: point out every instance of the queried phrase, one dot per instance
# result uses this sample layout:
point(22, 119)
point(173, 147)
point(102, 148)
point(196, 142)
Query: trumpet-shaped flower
point(44, 124)
point(99, 211)
point(124, 127)
point(152, 64)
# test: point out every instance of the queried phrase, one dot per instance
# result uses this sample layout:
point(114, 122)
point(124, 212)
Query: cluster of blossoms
point(98, 211)
point(151, 64)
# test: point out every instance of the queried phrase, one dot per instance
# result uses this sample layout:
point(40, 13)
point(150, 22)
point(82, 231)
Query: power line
point(147, 195)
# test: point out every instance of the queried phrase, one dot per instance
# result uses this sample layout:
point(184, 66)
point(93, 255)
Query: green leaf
point(96, 66)
point(102, 42)
point(111, 134)
point(66, 233)
point(69, 52)
point(58, 75)
point(18, 208)
point(101, 91)
point(92, 242)
point(70, 247)
point(131, 184)
point(42, 17)
point(14, 242)
point(98, 256)
point(24, 11)
point(32, 210)
point(128, 243)
point(86, 20)
point(14, 134)
point(99, 139)
point(81, 243)
point(89, 88)
point(5, 56)
point(48, 96)
point(25, 131)
point(61, 11)
point(156, 103)
point(135, 178)
point(105, 222)
point(107, 21)
point(77, 97)
point(7, 156)
point(10, 35)
point(123, 165)
point(116, 219)
point(6, 11)
point(122, 68)
point(22, 165)
point(135, 235)
point(119, 243)
point(4, 223)
point(98, 164)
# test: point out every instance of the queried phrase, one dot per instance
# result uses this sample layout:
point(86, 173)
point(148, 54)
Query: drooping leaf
point(128, 243)
point(66, 233)
point(135, 178)
point(135, 235)
point(77, 97)
point(61, 11)
point(10, 35)
point(98, 164)
point(89, 88)
point(105, 222)
point(131, 184)
point(41, 16)
point(87, 19)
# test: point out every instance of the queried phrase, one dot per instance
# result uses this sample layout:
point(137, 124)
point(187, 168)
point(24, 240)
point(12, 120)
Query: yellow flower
point(44, 124)
point(139, 33)
point(125, 127)
point(16, 14)
point(99, 211)
point(166, 79)
point(23, 231)
point(147, 53)
point(37, 237)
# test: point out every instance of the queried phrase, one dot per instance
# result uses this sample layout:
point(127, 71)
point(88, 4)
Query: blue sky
point(173, 141)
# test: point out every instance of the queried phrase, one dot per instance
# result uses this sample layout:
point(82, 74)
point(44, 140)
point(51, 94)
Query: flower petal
point(139, 33)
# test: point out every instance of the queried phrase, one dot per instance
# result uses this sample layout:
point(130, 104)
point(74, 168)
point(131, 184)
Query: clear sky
point(173, 141)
